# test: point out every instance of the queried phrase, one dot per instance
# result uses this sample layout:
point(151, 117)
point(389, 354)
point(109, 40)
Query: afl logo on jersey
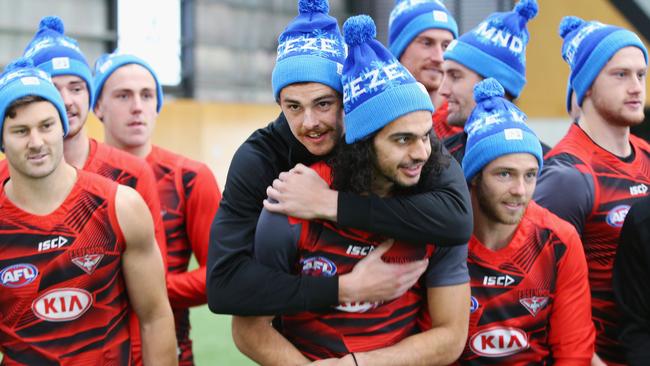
point(616, 216)
point(18, 275)
point(62, 304)
point(318, 266)
point(498, 342)
point(473, 306)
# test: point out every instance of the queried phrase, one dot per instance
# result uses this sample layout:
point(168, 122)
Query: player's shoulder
point(547, 220)
point(95, 183)
point(640, 143)
point(118, 158)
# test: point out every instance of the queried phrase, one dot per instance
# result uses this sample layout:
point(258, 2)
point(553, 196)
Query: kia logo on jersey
point(616, 216)
point(498, 342)
point(18, 275)
point(318, 266)
point(62, 304)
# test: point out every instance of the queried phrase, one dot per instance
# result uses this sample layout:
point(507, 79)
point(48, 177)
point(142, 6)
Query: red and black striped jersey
point(189, 196)
point(440, 126)
point(129, 170)
point(322, 248)
point(63, 298)
point(530, 299)
point(599, 188)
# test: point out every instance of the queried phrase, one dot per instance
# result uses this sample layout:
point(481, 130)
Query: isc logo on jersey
point(638, 190)
point(62, 304)
point(53, 243)
point(318, 266)
point(498, 342)
point(616, 216)
point(18, 275)
point(503, 280)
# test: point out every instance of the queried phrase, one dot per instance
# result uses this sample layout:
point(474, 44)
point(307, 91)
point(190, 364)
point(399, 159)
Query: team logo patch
point(534, 304)
point(499, 342)
point(62, 304)
point(318, 266)
point(616, 216)
point(473, 306)
point(18, 275)
point(88, 262)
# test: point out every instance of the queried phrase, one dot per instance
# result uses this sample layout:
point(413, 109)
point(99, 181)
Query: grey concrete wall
point(236, 44)
point(85, 20)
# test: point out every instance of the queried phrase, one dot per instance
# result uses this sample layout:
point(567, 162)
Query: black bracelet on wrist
point(355, 359)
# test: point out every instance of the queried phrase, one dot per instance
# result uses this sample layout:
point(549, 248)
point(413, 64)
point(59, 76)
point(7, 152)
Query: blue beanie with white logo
point(495, 128)
point(20, 79)
point(58, 54)
point(412, 17)
point(107, 63)
point(310, 49)
point(496, 48)
point(587, 48)
point(377, 89)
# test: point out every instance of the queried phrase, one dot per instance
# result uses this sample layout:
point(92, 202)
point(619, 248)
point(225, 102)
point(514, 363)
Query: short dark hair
point(21, 102)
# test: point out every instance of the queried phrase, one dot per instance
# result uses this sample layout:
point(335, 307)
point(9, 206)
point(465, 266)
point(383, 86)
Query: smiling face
point(33, 139)
point(401, 149)
point(315, 115)
point(423, 57)
point(504, 188)
point(76, 98)
point(618, 93)
point(127, 107)
point(458, 88)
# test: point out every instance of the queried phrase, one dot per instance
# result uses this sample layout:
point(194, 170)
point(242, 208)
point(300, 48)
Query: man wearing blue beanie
point(60, 56)
point(530, 292)
point(495, 48)
point(129, 98)
point(388, 151)
point(419, 31)
point(600, 166)
point(306, 131)
point(78, 250)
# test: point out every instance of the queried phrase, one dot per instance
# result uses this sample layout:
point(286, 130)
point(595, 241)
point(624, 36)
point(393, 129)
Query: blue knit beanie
point(310, 49)
point(21, 79)
point(107, 63)
point(587, 48)
point(377, 89)
point(58, 54)
point(412, 17)
point(495, 128)
point(496, 48)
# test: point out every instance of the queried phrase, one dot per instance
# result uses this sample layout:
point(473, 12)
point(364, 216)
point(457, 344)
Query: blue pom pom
point(527, 8)
point(569, 24)
point(487, 89)
point(19, 63)
point(53, 23)
point(313, 6)
point(359, 29)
